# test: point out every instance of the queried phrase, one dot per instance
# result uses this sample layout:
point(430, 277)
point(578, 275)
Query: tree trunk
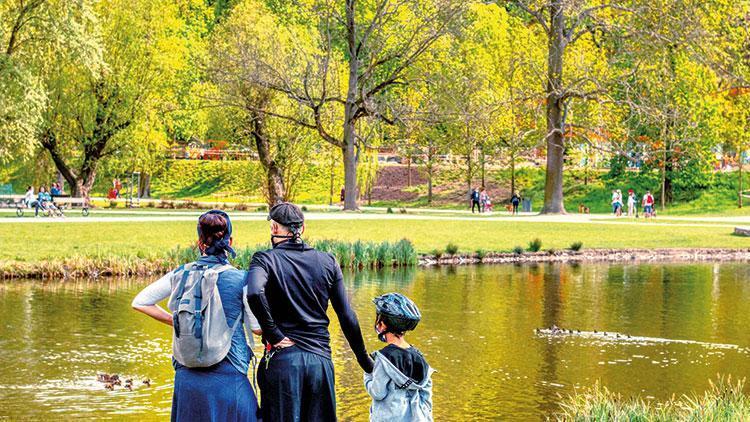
point(482, 163)
point(430, 156)
point(49, 142)
point(468, 170)
point(553, 186)
point(408, 170)
point(512, 173)
point(276, 190)
point(145, 187)
point(348, 148)
point(739, 197)
point(351, 193)
point(333, 175)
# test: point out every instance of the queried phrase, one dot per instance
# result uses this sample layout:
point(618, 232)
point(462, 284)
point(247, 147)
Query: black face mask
point(279, 236)
point(381, 336)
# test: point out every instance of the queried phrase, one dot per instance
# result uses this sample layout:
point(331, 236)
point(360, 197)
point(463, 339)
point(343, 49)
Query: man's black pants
point(297, 386)
point(475, 204)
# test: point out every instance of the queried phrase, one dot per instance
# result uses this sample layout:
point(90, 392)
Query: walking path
point(378, 214)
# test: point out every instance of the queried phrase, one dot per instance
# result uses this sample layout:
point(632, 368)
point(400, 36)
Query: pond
point(478, 332)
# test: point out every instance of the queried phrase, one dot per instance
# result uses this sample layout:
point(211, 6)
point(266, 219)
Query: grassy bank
point(723, 401)
point(353, 255)
point(32, 242)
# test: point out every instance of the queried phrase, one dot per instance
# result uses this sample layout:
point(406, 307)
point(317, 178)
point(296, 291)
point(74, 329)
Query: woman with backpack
point(211, 355)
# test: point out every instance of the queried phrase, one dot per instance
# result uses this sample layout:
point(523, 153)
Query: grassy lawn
point(34, 242)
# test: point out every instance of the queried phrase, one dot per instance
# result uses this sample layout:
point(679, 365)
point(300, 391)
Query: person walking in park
point(474, 197)
point(617, 202)
point(483, 198)
point(631, 203)
point(400, 384)
point(515, 200)
point(211, 355)
point(648, 205)
point(289, 289)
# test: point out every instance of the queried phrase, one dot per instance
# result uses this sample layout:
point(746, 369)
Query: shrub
point(535, 245)
point(389, 210)
point(437, 253)
point(304, 208)
point(518, 250)
point(576, 246)
point(384, 254)
point(451, 249)
point(481, 254)
point(262, 208)
point(552, 251)
point(404, 253)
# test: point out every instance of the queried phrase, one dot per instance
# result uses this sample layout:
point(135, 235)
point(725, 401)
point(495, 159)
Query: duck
point(147, 382)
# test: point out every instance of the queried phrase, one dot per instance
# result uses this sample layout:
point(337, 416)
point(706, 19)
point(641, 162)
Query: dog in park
point(509, 208)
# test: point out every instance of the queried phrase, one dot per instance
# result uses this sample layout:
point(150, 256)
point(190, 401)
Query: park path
point(105, 216)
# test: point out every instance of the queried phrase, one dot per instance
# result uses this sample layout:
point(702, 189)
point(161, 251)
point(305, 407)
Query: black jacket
point(288, 290)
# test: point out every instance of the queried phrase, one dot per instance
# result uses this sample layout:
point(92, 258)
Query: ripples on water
point(478, 331)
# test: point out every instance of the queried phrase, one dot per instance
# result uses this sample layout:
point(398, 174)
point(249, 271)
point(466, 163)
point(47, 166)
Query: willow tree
point(32, 34)
point(93, 111)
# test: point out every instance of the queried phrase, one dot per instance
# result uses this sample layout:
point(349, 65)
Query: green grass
point(723, 401)
point(39, 241)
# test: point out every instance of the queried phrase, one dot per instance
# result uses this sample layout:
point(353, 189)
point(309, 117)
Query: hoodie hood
point(399, 378)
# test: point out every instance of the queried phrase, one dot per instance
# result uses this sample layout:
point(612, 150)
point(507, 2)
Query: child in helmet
point(401, 382)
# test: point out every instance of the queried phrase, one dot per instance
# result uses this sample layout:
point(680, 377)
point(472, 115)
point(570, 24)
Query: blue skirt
point(218, 393)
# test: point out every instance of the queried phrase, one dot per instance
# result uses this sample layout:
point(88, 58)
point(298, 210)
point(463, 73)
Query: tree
point(31, 31)
point(564, 22)
point(372, 45)
point(92, 111)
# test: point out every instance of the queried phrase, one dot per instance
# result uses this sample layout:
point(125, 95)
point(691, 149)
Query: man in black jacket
point(288, 290)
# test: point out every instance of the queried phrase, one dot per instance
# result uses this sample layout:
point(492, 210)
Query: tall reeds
point(356, 255)
point(723, 401)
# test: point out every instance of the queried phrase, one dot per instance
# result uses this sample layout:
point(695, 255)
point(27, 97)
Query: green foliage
point(481, 254)
point(518, 250)
point(723, 401)
point(451, 249)
point(535, 245)
point(576, 246)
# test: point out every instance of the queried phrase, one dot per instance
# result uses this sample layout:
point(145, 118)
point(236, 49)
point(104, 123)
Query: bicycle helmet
point(397, 311)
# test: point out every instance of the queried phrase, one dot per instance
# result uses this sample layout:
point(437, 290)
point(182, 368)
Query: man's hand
point(284, 343)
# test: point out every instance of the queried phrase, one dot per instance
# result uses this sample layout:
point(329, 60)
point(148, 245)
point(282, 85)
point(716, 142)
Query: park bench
point(8, 200)
point(63, 202)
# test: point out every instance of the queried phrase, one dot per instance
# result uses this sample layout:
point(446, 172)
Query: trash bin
point(526, 207)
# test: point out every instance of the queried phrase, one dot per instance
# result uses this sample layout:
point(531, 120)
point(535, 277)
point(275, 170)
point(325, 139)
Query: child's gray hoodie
point(396, 397)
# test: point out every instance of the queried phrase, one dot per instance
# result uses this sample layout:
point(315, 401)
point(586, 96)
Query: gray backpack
point(201, 336)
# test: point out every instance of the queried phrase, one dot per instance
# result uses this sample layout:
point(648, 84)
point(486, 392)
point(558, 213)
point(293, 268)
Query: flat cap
point(286, 214)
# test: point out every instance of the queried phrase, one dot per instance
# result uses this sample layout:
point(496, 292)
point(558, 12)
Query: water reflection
point(477, 331)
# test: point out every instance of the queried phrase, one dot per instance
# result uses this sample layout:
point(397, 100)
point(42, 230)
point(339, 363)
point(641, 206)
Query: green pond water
point(478, 332)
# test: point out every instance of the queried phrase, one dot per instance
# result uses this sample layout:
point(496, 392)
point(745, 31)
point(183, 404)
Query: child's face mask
point(381, 334)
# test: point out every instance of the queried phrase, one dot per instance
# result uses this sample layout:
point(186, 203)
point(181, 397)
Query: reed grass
point(723, 401)
point(356, 255)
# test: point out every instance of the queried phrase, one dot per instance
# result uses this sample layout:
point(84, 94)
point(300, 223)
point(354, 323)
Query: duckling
point(147, 382)
point(617, 336)
point(570, 331)
point(109, 386)
point(628, 335)
point(128, 387)
point(578, 331)
point(605, 334)
point(129, 381)
point(596, 332)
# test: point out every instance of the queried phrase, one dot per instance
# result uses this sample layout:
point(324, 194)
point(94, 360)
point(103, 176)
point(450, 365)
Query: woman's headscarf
point(220, 247)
